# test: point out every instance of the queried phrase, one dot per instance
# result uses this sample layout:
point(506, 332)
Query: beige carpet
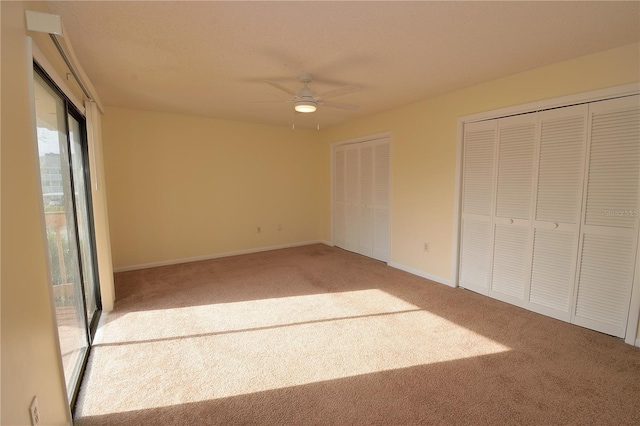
point(315, 335)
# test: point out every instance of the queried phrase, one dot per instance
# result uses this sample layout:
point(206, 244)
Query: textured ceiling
point(210, 58)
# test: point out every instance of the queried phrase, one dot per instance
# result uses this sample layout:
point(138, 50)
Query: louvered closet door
point(512, 216)
point(477, 205)
point(609, 233)
point(365, 236)
point(563, 137)
point(352, 197)
point(381, 198)
point(339, 201)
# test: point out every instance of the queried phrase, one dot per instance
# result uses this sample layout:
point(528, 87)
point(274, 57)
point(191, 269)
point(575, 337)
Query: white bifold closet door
point(365, 234)
point(550, 206)
point(361, 198)
point(352, 198)
point(609, 231)
point(557, 206)
point(339, 205)
point(381, 199)
point(512, 215)
point(477, 205)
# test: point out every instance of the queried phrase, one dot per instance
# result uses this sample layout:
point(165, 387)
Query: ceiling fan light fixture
point(305, 106)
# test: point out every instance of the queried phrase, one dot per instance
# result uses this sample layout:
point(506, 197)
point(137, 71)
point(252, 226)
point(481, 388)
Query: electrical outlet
point(426, 247)
point(259, 229)
point(35, 413)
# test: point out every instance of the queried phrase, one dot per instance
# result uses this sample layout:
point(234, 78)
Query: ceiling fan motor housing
point(305, 101)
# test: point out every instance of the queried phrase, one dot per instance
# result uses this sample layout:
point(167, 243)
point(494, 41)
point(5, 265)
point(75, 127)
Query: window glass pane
point(60, 227)
point(82, 208)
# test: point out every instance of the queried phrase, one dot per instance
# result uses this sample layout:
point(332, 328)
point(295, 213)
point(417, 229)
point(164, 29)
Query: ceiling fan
point(307, 100)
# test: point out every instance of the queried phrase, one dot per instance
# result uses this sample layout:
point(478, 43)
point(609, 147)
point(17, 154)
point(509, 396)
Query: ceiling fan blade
point(340, 105)
point(266, 102)
point(281, 87)
point(341, 91)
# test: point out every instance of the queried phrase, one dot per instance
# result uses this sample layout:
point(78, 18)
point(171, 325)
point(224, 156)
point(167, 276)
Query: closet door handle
point(555, 226)
point(511, 221)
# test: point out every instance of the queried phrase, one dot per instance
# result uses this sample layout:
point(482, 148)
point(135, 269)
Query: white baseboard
point(216, 256)
point(422, 274)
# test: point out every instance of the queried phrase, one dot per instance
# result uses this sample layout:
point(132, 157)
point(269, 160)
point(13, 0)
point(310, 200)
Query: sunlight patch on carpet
point(246, 315)
point(176, 356)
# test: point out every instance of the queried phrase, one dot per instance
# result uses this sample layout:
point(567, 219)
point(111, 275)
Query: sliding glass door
point(80, 176)
point(64, 177)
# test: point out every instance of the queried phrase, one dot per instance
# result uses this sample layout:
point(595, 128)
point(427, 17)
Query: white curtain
point(99, 198)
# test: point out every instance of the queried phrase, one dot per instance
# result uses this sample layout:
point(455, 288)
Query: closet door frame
point(591, 96)
point(332, 152)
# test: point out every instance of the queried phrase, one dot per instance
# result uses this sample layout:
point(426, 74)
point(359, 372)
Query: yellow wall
point(30, 358)
point(182, 186)
point(424, 142)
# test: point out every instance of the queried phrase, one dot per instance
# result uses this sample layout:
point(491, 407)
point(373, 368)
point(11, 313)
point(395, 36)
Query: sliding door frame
point(71, 109)
point(564, 101)
point(84, 146)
